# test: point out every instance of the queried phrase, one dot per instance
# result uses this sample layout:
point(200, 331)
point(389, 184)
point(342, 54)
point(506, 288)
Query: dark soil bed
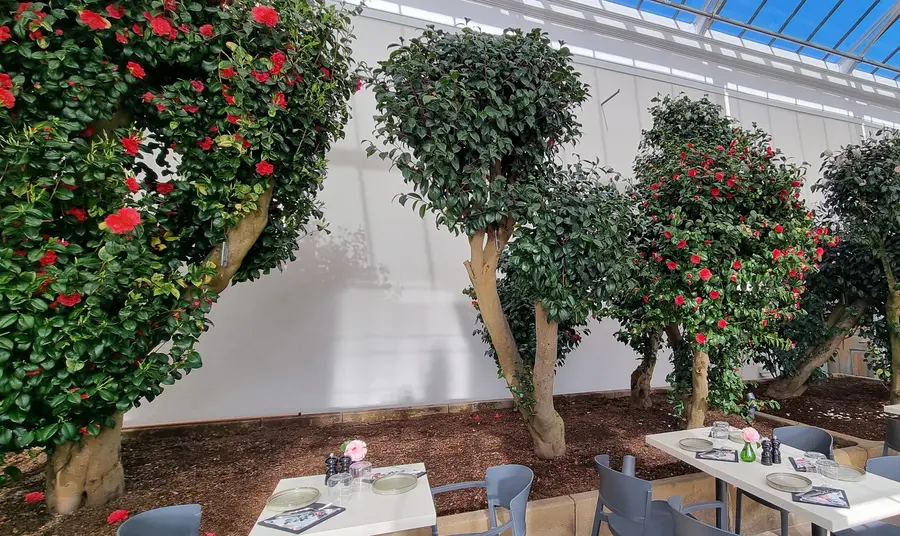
point(852, 406)
point(232, 473)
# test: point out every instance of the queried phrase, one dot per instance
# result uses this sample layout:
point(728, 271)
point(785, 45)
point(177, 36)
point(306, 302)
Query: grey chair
point(181, 520)
point(804, 438)
point(507, 486)
point(684, 524)
point(632, 511)
point(891, 437)
point(887, 467)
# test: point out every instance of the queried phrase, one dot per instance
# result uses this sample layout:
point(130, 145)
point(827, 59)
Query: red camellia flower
point(280, 100)
point(123, 221)
point(737, 265)
point(138, 29)
point(722, 324)
point(122, 37)
point(148, 97)
point(34, 496)
point(117, 516)
point(205, 144)
point(69, 300)
point(161, 26)
point(769, 151)
point(667, 234)
point(681, 244)
point(820, 252)
point(278, 58)
point(705, 274)
point(197, 85)
point(695, 259)
point(776, 253)
point(734, 277)
point(7, 99)
point(719, 175)
point(326, 73)
point(48, 258)
point(4, 33)
point(698, 299)
point(714, 295)
point(227, 72)
point(5, 81)
point(115, 11)
point(265, 15)
point(264, 168)
point(262, 78)
point(715, 192)
point(132, 184)
point(358, 84)
point(93, 20)
point(692, 173)
point(165, 188)
point(700, 338)
point(131, 144)
point(671, 265)
point(730, 181)
point(232, 118)
point(779, 228)
point(190, 108)
point(136, 70)
point(161, 107)
point(679, 300)
point(207, 30)
point(78, 213)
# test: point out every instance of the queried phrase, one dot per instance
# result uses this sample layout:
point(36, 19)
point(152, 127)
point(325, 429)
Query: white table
point(873, 499)
point(895, 409)
point(367, 513)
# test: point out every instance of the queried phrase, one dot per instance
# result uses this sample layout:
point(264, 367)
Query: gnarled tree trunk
point(546, 426)
point(696, 412)
point(643, 374)
point(893, 319)
point(844, 319)
point(86, 473)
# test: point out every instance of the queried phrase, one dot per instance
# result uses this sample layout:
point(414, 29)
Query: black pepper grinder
point(331, 466)
point(766, 458)
point(345, 464)
point(776, 451)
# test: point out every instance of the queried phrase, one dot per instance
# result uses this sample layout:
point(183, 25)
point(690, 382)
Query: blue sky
point(841, 15)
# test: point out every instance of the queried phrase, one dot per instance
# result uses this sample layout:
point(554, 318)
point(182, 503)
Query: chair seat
point(658, 524)
point(876, 528)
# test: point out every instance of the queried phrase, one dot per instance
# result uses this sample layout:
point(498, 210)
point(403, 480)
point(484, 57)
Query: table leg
point(722, 514)
point(818, 531)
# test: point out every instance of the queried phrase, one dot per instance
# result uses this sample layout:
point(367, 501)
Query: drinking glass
point(812, 461)
point(828, 468)
point(339, 491)
point(361, 472)
point(719, 433)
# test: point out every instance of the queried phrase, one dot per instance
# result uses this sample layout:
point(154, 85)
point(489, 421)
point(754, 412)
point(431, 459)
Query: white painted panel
point(622, 124)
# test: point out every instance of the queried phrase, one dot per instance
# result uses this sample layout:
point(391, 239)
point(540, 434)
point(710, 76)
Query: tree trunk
point(843, 318)
point(699, 390)
point(86, 473)
point(643, 374)
point(893, 318)
point(546, 426)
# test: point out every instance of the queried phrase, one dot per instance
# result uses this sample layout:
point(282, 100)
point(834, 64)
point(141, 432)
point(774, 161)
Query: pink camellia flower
point(356, 449)
point(750, 435)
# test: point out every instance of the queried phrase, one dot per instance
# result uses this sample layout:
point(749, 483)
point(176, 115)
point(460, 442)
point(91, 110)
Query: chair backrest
point(508, 486)
point(886, 466)
point(181, 520)
point(686, 525)
point(892, 436)
point(624, 495)
point(807, 439)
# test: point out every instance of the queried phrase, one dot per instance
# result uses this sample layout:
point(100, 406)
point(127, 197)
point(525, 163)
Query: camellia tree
point(727, 247)
point(109, 261)
point(862, 189)
point(473, 121)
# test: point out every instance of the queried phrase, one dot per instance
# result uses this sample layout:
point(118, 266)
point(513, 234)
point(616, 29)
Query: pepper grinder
point(766, 458)
point(345, 464)
point(776, 451)
point(331, 466)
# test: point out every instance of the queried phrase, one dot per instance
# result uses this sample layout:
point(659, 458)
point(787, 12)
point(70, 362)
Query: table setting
point(351, 498)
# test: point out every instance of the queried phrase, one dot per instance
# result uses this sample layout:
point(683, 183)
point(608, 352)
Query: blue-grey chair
point(507, 486)
point(805, 438)
point(181, 520)
point(887, 467)
point(632, 510)
point(684, 524)
point(891, 437)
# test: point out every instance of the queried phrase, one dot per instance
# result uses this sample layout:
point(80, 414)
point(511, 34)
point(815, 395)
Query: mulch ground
point(233, 473)
point(852, 406)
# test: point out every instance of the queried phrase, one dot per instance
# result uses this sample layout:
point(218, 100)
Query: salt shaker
point(776, 451)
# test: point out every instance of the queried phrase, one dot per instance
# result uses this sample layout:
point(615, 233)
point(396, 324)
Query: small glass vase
point(747, 453)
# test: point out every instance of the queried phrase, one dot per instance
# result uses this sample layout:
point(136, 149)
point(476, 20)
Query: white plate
point(395, 484)
point(848, 473)
point(789, 482)
point(292, 498)
point(695, 444)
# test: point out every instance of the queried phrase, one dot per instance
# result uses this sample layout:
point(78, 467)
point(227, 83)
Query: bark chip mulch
point(852, 406)
point(232, 473)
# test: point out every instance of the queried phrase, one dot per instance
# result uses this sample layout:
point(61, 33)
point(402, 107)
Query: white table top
point(895, 409)
point(367, 513)
point(872, 499)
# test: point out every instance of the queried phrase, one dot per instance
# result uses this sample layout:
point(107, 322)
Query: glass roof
point(855, 34)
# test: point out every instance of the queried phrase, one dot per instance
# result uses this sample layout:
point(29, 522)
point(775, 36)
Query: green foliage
point(727, 239)
point(98, 311)
point(473, 118)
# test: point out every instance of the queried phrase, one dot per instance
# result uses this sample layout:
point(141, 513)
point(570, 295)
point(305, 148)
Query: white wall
point(373, 315)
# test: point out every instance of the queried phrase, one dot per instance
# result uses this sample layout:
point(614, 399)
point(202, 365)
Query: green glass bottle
point(748, 454)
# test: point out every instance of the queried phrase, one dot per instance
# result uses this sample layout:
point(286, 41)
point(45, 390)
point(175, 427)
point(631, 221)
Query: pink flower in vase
point(750, 435)
point(356, 449)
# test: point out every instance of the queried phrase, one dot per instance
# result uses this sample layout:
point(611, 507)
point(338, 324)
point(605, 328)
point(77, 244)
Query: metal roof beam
point(712, 7)
point(873, 34)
